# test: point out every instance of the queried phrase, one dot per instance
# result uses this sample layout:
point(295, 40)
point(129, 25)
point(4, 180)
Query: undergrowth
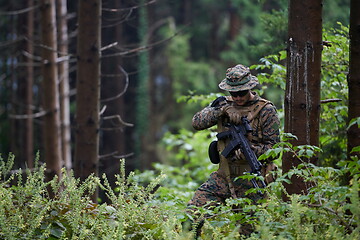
point(142, 211)
point(27, 211)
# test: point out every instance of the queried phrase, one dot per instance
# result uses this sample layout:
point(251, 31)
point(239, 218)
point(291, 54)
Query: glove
point(217, 102)
point(232, 113)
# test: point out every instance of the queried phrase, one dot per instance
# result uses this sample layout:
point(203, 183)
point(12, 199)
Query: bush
point(27, 211)
point(329, 211)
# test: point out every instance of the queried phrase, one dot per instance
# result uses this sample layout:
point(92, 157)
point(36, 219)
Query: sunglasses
point(239, 93)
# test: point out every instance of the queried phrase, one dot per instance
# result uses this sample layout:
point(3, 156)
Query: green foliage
point(323, 213)
point(333, 120)
point(192, 160)
point(263, 30)
point(336, 11)
point(187, 75)
point(274, 24)
point(195, 75)
point(272, 77)
point(329, 211)
point(137, 210)
point(201, 99)
point(277, 74)
point(27, 212)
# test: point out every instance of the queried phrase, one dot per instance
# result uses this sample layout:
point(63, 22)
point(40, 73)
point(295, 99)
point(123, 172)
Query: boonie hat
point(238, 78)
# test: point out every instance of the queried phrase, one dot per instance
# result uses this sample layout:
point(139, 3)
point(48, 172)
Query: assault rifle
point(237, 134)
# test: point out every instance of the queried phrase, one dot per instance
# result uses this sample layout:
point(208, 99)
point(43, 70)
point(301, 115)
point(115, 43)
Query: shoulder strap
point(258, 107)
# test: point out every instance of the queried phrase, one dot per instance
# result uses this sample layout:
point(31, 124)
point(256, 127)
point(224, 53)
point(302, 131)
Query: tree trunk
point(353, 133)
point(214, 49)
point(234, 21)
point(88, 89)
point(50, 89)
point(113, 87)
point(302, 99)
point(142, 95)
point(64, 83)
point(20, 85)
point(14, 127)
point(29, 134)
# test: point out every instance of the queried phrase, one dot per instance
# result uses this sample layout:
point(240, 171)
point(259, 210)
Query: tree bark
point(14, 123)
point(142, 94)
point(234, 21)
point(353, 133)
point(50, 89)
point(29, 134)
point(88, 89)
point(63, 66)
point(302, 99)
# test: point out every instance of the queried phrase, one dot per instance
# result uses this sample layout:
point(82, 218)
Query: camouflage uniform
point(265, 124)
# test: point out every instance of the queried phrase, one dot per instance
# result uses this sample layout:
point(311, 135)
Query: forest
point(96, 103)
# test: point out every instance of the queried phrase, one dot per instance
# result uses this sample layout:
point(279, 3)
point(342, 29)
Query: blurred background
point(161, 60)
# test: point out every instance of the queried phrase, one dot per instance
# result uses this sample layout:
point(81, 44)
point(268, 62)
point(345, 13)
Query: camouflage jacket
point(265, 124)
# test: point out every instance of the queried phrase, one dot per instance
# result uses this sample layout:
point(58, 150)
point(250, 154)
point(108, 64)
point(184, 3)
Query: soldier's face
point(241, 97)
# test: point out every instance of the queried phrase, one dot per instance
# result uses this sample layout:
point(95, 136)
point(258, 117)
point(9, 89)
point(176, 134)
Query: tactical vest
point(233, 167)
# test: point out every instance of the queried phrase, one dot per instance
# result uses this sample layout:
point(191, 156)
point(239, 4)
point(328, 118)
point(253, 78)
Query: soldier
point(265, 124)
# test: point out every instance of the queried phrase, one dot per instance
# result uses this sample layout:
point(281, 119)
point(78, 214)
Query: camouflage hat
point(238, 78)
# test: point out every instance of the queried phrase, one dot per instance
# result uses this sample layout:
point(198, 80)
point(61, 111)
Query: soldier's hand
point(239, 154)
point(232, 113)
point(218, 102)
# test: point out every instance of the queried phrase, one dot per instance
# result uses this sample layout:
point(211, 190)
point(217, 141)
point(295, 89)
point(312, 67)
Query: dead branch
point(142, 48)
point(31, 56)
point(124, 90)
point(327, 43)
point(112, 128)
point(102, 110)
point(109, 46)
point(170, 21)
point(134, 50)
point(123, 156)
point(64, 54)
point(28, 116)
point(16, 12)
point(114, 10)
point(113, 154)
point(118, 118)
point(63, 59)
point(107, 155)
point(111, 75)
point(119, 21)
point(13, 41)
point(331, 100)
